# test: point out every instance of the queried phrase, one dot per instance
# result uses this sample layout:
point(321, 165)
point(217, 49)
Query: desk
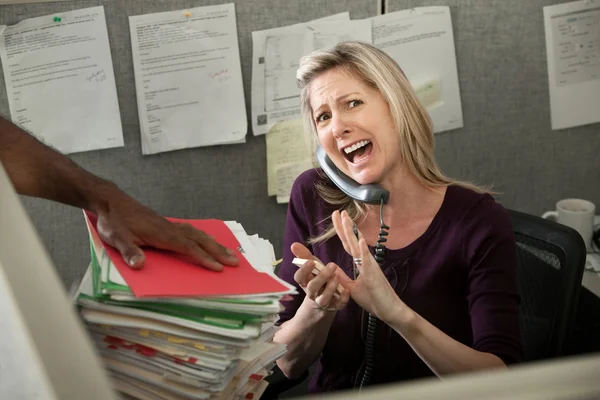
point(591, 281)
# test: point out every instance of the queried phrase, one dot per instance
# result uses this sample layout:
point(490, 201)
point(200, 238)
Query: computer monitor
point(45, 352)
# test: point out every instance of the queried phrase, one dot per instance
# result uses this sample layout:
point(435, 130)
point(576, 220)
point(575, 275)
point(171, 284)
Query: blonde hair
point(411, 120)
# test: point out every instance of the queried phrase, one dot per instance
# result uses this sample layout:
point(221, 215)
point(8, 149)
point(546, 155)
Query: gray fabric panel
point(225, 182)
point(507, 138)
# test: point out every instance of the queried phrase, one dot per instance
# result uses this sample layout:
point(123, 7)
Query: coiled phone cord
point(380, 251)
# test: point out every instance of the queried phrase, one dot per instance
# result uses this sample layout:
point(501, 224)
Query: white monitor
point(45, 352)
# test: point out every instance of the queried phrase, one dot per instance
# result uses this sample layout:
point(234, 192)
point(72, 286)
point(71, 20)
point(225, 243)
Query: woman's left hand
point(371, 290)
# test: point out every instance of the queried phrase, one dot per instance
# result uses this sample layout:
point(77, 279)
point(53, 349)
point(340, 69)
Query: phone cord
point(380, 251)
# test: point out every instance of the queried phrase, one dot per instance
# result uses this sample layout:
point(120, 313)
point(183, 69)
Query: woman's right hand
point(320, 288)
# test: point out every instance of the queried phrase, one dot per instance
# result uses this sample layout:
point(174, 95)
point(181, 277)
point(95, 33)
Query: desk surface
point(591, 281)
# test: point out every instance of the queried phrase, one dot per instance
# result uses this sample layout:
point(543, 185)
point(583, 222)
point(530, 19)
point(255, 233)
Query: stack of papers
point(174, 330)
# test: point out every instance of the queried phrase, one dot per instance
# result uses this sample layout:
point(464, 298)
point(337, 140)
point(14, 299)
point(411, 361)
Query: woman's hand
point(372, 291)
point(320, 288)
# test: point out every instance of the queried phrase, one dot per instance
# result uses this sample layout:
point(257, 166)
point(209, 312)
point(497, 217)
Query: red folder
point(166, 274)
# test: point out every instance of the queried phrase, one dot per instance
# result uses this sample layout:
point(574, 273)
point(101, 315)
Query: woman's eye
point(354, 103)
point(323, 117)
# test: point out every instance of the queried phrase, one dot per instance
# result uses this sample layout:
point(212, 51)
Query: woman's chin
point(365, 178)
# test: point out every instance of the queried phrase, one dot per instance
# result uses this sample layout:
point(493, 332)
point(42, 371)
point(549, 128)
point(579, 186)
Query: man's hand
point(127, 225)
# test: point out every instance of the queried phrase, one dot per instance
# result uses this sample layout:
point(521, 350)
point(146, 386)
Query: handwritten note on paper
point(188, 78)
point(286, 175)
point(60, 81)
point(285, 145)
point(430, 94)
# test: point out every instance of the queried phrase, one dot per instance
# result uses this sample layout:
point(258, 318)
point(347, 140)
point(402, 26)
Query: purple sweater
point(460, 275)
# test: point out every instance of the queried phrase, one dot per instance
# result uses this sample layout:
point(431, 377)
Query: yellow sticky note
point(199, 346)
point(144, 332)
point(286, 175)
point(286, 144)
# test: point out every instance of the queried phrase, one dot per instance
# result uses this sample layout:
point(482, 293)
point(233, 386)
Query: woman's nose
point(339, 126)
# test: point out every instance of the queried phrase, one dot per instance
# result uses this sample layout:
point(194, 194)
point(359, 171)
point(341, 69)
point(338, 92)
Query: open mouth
point(358, 151)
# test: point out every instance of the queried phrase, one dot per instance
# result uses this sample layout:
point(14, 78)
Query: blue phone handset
point(363, 193)
point(373, 194)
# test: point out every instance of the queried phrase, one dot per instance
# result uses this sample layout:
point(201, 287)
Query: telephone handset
point(364, 193)
point(374, 194)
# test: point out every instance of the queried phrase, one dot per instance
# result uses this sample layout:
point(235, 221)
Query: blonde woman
point(446, 296)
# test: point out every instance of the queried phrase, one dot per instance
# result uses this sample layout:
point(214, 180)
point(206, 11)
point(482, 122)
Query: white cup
point(578, 214)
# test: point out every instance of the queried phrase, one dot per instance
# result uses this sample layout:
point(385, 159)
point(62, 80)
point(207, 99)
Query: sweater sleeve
point(493, 296)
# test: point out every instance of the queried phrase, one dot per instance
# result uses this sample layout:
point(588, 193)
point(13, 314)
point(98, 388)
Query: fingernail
point(231, 253)
point(135, 260)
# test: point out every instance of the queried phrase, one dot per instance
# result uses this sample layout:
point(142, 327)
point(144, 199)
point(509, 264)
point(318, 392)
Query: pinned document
point(60, 81)
point(421, 41)
point(573, 54)
point(188, 78)
point(326, 34)
point(275, 57)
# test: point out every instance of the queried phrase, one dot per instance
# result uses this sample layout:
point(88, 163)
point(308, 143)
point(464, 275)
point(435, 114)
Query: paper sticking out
point(188, 78)
point(287, 157)
point(430, 94)
point(573, 54)
point(60, 81)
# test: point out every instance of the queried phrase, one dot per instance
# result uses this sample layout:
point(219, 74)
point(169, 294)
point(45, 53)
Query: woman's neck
point(410, 200)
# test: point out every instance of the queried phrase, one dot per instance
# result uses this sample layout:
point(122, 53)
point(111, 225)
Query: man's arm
point(39, 171)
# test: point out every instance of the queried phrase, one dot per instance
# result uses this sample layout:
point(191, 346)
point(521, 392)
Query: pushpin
point(187, 14)
point(57, 19)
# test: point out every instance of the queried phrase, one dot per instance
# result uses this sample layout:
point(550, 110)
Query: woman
point(446, 296)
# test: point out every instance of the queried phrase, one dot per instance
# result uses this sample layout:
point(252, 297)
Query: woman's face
point(354, 126)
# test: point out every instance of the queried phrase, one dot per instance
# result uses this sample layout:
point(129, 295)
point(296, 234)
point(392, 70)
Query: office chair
point(550, 264)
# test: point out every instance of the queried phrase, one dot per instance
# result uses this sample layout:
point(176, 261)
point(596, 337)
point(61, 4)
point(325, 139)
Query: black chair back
point(550, 264)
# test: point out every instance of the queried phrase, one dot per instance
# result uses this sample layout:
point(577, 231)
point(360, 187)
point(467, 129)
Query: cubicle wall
point(506, 140)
